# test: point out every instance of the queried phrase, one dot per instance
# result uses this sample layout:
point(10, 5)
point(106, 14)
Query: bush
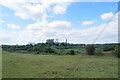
point(108, 48)
point(98, 53)
point(66, 52)
point(37, 52)
point(117, 51)
point(47, 49)
point(62, 52)
point(71, 52)
point(90, 49)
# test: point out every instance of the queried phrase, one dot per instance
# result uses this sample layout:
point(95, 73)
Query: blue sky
point(9, 18)
point(77, 12)
point(82, 11)
point(55, 20)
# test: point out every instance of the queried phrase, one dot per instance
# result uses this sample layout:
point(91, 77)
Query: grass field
point(59, 66)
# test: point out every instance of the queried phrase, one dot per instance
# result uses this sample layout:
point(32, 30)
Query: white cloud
point(38, 25)
point(44, 25)
point(59, 10)
point(36, 9)
point(1, 21)
point(60, 24)
point(42, 29)
point(107, 16)
point(88, 22)
point(49, 30)
point(13, 26)
point(30, 11)
point(38, 32)
point(6, 36)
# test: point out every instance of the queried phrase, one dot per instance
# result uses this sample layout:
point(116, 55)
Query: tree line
point(62, 48)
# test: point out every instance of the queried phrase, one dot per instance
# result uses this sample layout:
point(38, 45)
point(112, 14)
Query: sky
point(35, 21)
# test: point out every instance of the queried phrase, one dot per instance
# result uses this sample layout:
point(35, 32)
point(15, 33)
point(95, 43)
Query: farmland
point(19, 65)
point(59, 39)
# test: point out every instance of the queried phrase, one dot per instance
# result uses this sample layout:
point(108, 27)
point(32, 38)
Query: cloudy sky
point(26, 21)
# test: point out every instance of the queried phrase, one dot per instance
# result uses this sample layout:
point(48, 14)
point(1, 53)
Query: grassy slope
point(53, 66)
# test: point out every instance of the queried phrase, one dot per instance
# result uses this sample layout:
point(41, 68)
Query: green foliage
point(108, 48)
point(117, 51)
point(65, 52)
point(98, 52)
point(56, 48)
point(47, 49)
point(41, 47)
point(90, 49)
point(62, 52)
point(71, 52)
point(50, 43)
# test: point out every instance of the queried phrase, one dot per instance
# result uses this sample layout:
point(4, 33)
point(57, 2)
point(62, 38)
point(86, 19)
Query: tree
point(72, 52)
point(90, 49)
point(108, 48)
point(117, 51)
point(47, 49)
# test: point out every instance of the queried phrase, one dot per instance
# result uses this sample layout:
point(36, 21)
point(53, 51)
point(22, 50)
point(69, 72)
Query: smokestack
point(66, 41)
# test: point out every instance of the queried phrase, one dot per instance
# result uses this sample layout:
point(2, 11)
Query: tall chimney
point(66, 41)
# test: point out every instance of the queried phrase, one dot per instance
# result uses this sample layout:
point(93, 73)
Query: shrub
point(66, 52)
point(108, 48)
point(47, 49)
point(90, 49)
point(61, 52)
point(71, 52)
point(117, 51)
point(37, 52)
point(98, 53)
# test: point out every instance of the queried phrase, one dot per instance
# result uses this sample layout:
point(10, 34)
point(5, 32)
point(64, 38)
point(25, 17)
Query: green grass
point(58, 66)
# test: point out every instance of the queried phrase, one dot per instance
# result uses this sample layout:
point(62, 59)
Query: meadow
point(19, 65)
